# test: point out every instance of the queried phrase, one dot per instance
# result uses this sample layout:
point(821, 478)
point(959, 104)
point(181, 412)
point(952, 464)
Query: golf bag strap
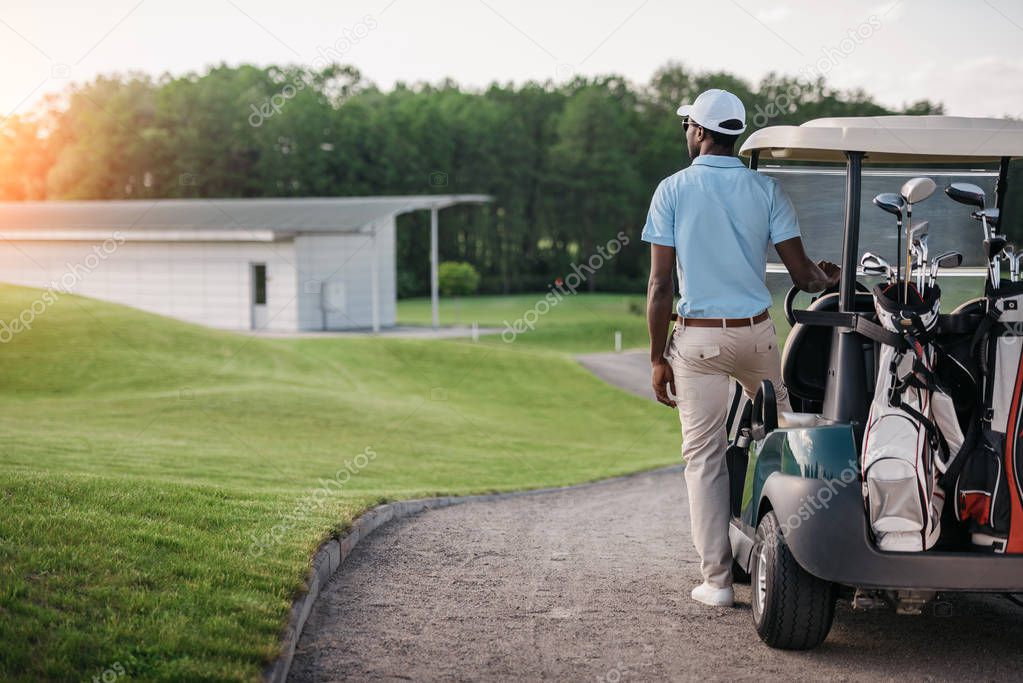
point(985, 360)
point(979, 337)
point(982, 420)
point(934, 434)
point(732, 410)
point(854, 321)
point(954, 468)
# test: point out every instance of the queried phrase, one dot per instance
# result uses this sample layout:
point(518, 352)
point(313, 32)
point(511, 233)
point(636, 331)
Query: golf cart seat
point(807, 351)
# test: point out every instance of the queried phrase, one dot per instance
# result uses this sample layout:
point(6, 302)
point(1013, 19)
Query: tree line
point(570, 164)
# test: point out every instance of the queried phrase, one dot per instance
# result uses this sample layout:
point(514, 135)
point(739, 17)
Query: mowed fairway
point(575, 323)
point(164, 486)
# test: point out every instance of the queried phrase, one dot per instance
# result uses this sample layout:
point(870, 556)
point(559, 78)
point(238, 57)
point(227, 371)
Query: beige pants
point(703, 359)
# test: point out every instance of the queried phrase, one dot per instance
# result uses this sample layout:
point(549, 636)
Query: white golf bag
point(912, 431)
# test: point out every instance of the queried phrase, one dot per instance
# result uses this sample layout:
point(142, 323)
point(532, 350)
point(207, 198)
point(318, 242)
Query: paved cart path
point(628, 370)
point(592, 584)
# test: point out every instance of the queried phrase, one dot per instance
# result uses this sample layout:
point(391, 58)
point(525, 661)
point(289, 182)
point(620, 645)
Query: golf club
point(950, 259)
point(873, 264)
point(992, 216)
point(1009, 254)
point(967, 193)
point(878, 271)
point(971, 195)
point(922, 253)
point(913, 192)
point(917, 237)
point(992, 252)
point(894, 204)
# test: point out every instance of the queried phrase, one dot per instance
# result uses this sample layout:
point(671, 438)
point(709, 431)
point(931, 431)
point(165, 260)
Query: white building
point(273, 264)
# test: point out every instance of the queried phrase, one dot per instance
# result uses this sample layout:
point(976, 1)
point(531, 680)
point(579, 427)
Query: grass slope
point(163, 485)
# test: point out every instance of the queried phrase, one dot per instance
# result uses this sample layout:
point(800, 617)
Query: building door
point(259, 317)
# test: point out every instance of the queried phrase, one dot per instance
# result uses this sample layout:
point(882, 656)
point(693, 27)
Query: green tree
point(594, 169)
point(569, 165)
point(457, 278)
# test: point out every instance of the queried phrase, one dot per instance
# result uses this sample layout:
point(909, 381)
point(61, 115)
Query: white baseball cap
point(714, 107)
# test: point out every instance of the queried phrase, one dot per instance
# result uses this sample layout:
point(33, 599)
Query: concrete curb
point(332, 554)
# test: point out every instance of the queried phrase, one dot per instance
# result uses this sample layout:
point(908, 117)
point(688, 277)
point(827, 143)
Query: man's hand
point(832, 272)
point(807, 275)
point(663, 380)
point(658, 318)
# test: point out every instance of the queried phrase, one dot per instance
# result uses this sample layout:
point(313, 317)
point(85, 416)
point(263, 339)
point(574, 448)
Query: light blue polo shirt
point(721, 218)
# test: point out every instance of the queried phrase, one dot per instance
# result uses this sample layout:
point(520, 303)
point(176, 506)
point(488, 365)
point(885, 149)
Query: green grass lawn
point(164, 486)
point(579, 323)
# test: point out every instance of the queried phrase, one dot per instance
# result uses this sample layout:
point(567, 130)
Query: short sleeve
point(660, 220)
point(784, 223)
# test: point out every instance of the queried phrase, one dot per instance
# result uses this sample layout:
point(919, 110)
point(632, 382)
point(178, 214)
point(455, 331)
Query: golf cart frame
point(803, 469)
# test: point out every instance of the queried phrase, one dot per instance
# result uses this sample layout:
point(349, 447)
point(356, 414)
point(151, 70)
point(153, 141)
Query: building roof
point(230, 220)
point(892, 139)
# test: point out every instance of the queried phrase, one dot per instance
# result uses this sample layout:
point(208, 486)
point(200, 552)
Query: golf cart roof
point(891, 139)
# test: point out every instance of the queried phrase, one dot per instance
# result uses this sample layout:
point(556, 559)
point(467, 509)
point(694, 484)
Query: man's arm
point(807, 275)
point(659, 298)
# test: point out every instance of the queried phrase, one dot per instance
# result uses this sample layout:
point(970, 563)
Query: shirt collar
point(718, 161)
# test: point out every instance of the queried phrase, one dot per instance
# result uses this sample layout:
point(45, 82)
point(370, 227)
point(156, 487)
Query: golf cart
point(801, 531)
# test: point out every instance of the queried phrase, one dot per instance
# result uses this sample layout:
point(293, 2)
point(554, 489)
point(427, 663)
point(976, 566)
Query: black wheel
point(739, 575)
point(792, 609)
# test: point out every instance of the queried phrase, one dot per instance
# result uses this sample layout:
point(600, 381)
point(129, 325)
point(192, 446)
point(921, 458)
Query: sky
point(968, 55)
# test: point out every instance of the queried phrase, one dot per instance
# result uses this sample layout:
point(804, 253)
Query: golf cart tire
point(739, 575)
point(792, 609)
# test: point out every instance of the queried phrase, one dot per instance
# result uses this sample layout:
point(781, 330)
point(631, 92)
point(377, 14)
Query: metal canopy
point(891, 139)
point(260, 220)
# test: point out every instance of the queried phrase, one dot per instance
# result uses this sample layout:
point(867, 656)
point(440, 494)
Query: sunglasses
point(686, 122)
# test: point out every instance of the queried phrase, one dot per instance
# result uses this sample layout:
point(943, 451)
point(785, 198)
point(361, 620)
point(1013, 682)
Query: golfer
point(712, 223)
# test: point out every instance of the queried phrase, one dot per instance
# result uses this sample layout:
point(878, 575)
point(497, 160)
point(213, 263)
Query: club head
point(967, 193)
point(919, 230)
point(872, 260)
point(891, 202)
point(918, 189)
point(878, 271)
point(992, 216)
point(949, 259)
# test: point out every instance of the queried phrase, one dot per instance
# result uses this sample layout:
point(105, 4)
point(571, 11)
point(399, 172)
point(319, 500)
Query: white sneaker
point(714, 596)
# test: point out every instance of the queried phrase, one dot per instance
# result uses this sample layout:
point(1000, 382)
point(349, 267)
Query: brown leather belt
point(724, 322)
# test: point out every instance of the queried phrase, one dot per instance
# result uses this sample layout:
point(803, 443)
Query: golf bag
point(912, 430)
point(987, 479)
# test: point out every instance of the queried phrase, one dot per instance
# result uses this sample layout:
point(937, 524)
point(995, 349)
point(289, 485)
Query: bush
point(457, 278)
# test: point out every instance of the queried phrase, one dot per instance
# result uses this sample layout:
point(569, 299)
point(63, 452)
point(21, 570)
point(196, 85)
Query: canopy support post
point(375, 275)
point(1002, 185)
point(434, 280)
point(851, 236)
point(845, 394)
